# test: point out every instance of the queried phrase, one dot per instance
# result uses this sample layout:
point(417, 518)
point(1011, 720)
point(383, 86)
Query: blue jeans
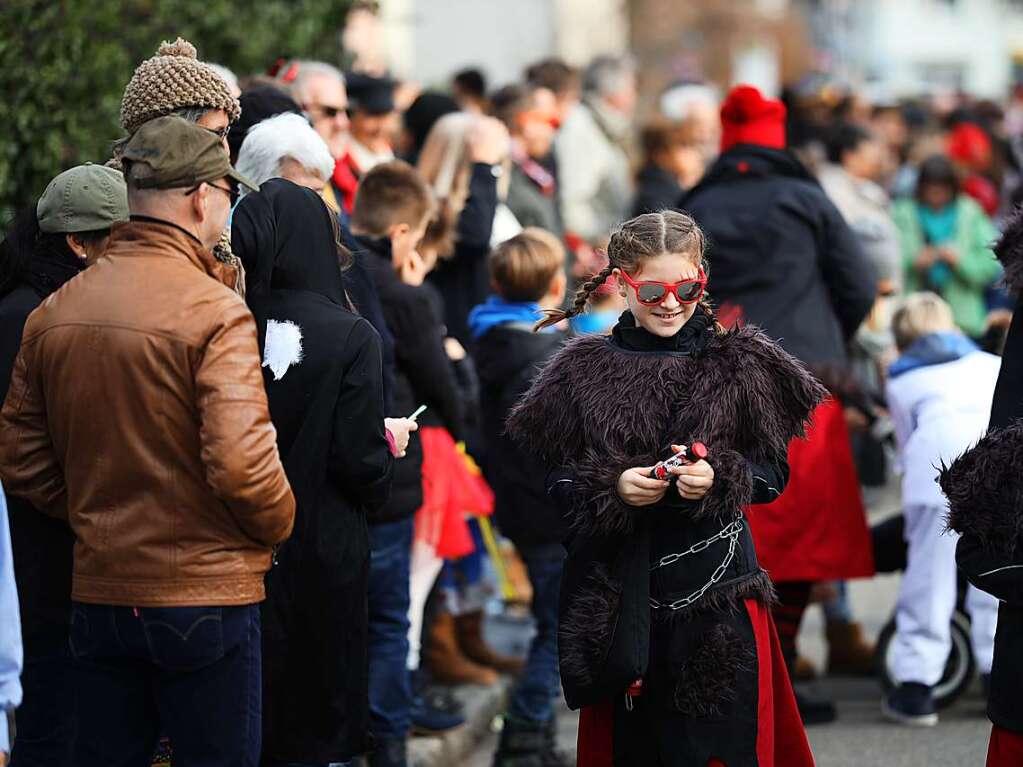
point(46, 717)
point(539, 683)
point(390, 690)
point(191, 673)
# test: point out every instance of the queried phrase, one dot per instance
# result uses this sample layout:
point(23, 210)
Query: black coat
point(781, 255)
point(364, 296)
point(983, 487)
point(658, 190)
point(507, 359)
point(423, 375)
point(42, 545)
point(464, 279)
point(328, 409)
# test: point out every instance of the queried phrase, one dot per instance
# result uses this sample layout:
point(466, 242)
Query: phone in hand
point(690, 454)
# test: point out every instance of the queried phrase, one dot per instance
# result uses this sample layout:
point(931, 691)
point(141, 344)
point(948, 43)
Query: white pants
point(424, 569)
point(927, 600)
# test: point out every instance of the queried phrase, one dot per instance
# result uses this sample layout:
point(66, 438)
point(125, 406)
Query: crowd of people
point(314, 354)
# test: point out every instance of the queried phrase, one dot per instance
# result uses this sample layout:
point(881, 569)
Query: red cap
point(748, 118)
point(969, 145)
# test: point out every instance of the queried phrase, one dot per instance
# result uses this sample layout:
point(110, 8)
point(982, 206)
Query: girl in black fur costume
point(664, 636)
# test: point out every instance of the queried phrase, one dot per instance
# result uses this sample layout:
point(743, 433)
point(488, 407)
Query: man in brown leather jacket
point(137, 411)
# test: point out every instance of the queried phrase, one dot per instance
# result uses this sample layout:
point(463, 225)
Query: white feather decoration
point(283, 347)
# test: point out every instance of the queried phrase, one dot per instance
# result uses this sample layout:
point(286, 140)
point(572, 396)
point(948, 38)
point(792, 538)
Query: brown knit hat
point(172, 79)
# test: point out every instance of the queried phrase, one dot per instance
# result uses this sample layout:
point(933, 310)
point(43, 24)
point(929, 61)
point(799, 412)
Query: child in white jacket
point(939, 393)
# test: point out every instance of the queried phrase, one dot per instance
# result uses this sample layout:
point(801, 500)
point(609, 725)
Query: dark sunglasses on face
point(326, 111)
point(650, 293)
point(231, 191)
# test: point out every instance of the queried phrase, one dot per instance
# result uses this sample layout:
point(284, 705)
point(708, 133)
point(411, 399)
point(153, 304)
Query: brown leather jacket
point(137, 411)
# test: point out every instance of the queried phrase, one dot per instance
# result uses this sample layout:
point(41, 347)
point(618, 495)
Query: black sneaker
point(431, 720)
point(910, 703)
point(814, 710)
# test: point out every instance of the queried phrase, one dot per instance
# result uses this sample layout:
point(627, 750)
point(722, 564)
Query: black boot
point(389, 753)
point(522, 744)
point(552, 756)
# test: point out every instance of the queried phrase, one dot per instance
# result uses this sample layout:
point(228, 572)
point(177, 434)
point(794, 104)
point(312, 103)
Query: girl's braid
point(582, 297)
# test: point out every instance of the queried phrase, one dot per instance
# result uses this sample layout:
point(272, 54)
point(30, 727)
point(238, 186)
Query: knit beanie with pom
point(749, 118)
point(172, 79)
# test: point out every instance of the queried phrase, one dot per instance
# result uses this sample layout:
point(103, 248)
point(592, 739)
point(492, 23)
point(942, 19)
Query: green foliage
point(64, 65)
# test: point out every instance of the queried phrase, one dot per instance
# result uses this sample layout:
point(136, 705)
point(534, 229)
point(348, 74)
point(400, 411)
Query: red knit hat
point(748, 118)
point(969, 145)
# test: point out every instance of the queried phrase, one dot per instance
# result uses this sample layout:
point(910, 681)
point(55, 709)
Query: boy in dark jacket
point(527, 275)
point(390, 215)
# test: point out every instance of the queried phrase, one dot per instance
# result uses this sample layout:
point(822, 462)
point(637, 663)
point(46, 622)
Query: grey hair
point(607, 74)
point(307, 70)
point(269, 142)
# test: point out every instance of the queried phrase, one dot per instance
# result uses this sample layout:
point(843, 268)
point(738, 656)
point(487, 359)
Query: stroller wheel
point(959, 668)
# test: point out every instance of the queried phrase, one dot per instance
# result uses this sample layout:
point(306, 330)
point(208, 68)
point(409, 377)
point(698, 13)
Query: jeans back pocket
point(184, 638)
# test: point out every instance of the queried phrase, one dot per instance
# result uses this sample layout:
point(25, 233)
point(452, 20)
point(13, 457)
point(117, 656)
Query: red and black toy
point(689, 454)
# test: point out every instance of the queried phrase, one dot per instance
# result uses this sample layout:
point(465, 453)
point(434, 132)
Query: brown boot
point(849, 652)
point(445, 660)
point(469, 629)
point(803, 669)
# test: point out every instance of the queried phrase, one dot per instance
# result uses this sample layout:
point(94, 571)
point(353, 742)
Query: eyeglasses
point(221, 132)
point(650, 293)
point(327, 111)
point(230, 191)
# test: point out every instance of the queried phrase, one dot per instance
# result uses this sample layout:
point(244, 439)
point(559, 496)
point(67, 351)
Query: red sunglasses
point(651, 293)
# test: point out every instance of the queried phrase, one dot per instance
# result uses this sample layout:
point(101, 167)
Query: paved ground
point(860, 737)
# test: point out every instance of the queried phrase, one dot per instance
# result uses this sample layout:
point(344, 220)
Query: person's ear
point(617, 274)
point(200, 201)
point(398, 234)
point(76, 246)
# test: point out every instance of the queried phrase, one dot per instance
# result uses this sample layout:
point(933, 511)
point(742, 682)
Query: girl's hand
point(637, 488)
point(414, 270)
point(948, 254)
point(488, 141)
point(925, 260)
point(694, 479)
point(400, 429)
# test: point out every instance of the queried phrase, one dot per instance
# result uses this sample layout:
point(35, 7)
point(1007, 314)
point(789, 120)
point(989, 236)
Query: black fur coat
point(985, 493)
point(600, 407)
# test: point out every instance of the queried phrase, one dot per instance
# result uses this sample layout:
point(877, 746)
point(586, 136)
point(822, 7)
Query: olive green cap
point(85, 198)
point(171, 152)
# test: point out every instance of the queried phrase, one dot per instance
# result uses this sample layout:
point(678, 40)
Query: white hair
point(678, 101)
point(228, 76)
point(307, 70)
point(287, 135)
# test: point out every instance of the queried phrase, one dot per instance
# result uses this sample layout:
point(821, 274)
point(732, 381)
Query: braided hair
point(634, 241)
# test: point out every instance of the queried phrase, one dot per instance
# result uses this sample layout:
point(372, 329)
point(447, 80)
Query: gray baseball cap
point(83, 199)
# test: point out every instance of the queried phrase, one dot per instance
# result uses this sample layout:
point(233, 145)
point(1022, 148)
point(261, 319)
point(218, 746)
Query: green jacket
point(975, 270)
